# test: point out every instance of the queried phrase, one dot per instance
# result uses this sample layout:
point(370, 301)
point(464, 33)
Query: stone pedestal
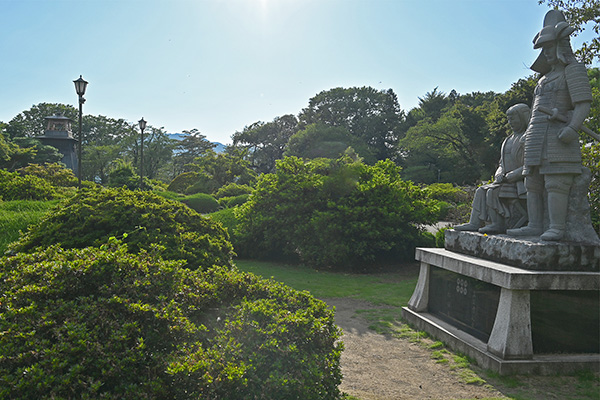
point(540, 322)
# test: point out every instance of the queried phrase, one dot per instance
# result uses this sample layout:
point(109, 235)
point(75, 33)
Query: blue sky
point(219, 65)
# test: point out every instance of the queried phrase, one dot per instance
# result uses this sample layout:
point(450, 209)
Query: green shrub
point(103, 323)
point(13, 186)
point(227, 217)
point(122, 174)
point(169, 195)
point(201, 202)
point(54, 173)
point(334, 213)
point(447, 192)
point(440, 237)
point(229, 202)
point(93, 215)
point(232, 190)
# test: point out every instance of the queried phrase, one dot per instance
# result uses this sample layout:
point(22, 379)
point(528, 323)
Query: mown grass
point(17, 215)
point(391, 288)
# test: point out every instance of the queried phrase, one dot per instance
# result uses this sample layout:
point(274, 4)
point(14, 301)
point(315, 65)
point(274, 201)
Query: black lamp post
point(142, 127)
point(80, 86)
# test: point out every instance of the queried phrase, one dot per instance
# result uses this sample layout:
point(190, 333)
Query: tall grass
point(17, 215)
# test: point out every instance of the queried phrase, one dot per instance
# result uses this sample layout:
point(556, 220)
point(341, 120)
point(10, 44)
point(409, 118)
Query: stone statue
point(493, 202)
point(552, 154)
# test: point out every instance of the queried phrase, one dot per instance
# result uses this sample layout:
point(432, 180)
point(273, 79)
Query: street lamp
point(142, 127)
point(80, 86)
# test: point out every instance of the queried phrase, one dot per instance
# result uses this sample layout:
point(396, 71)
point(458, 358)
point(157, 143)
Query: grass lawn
point(17, 215)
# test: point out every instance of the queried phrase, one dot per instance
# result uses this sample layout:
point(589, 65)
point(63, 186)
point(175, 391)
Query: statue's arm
point(580, 113)
point(581, 98)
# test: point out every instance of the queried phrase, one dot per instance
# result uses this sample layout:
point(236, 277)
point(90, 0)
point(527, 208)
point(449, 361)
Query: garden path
point(381, 367)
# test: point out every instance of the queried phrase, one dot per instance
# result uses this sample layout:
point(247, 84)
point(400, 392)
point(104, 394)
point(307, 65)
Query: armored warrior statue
point(492, 202)
point(552, 154)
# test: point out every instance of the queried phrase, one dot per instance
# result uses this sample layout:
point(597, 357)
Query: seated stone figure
point(493, 202)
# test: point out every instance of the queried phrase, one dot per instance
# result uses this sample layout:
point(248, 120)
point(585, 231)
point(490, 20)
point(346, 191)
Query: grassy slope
point(17, 215)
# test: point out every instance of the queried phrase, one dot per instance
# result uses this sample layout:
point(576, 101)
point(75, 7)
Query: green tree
point(373, 116)
point(319, 140)
point(578, 14)
point(32, 123)
point(158, 152)
point(191, 146)
point(266, 142)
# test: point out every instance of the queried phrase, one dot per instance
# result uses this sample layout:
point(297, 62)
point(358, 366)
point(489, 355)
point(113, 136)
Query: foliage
point(578, 13)
point(320, 140)
point(201, 203)
point(233, 201)
point(371, 116)
point(54, 173)
point(227, 217)
point(266, 142)
point(122, 174)
point(233, 189)
point(103, 323)
point(144, 219)
point(212, 171)
point(193, 145)
point(591, 159)
point(32, 123)
point(13, 186)
point(338, 213)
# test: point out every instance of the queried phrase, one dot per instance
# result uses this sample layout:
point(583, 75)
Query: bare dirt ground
point(383, 367)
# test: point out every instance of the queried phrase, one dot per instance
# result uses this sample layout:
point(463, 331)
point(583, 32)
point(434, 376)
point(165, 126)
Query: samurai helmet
point(555, 28)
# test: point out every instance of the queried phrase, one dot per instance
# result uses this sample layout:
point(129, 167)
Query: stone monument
point(527, 301)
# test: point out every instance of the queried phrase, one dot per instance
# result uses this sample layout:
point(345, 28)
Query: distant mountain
point(219, 147)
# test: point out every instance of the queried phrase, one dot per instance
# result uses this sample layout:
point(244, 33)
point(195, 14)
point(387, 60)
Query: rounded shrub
point(201, 202)
point(104, 323)
point(183, 181)
point(94, 215)
point(233, 189)
point(13, 186)
point(54, 173)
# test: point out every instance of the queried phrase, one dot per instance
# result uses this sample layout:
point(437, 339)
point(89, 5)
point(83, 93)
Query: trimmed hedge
point(104, 323)
point(201, 203)
point(94, 215)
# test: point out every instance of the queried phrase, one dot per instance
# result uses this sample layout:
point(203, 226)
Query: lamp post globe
point(142, 125)
point(80, 86)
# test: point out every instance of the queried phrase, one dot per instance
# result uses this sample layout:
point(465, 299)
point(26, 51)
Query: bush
point(93, 215)
point(103, 323)
point(54, 173)
point(227, 217)
point(232, 190)
point(229, 202)
point(29, 187)
point(336, 213)
point(201, 202)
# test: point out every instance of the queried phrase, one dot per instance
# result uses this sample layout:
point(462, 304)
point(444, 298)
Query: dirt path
point(379, 367)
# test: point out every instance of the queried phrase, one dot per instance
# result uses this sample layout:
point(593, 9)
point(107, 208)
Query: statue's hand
point(567, 134)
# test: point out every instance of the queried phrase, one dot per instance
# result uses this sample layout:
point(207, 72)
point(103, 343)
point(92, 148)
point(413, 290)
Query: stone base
point(527, 252)
point(509, 347)
point(542, 364)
